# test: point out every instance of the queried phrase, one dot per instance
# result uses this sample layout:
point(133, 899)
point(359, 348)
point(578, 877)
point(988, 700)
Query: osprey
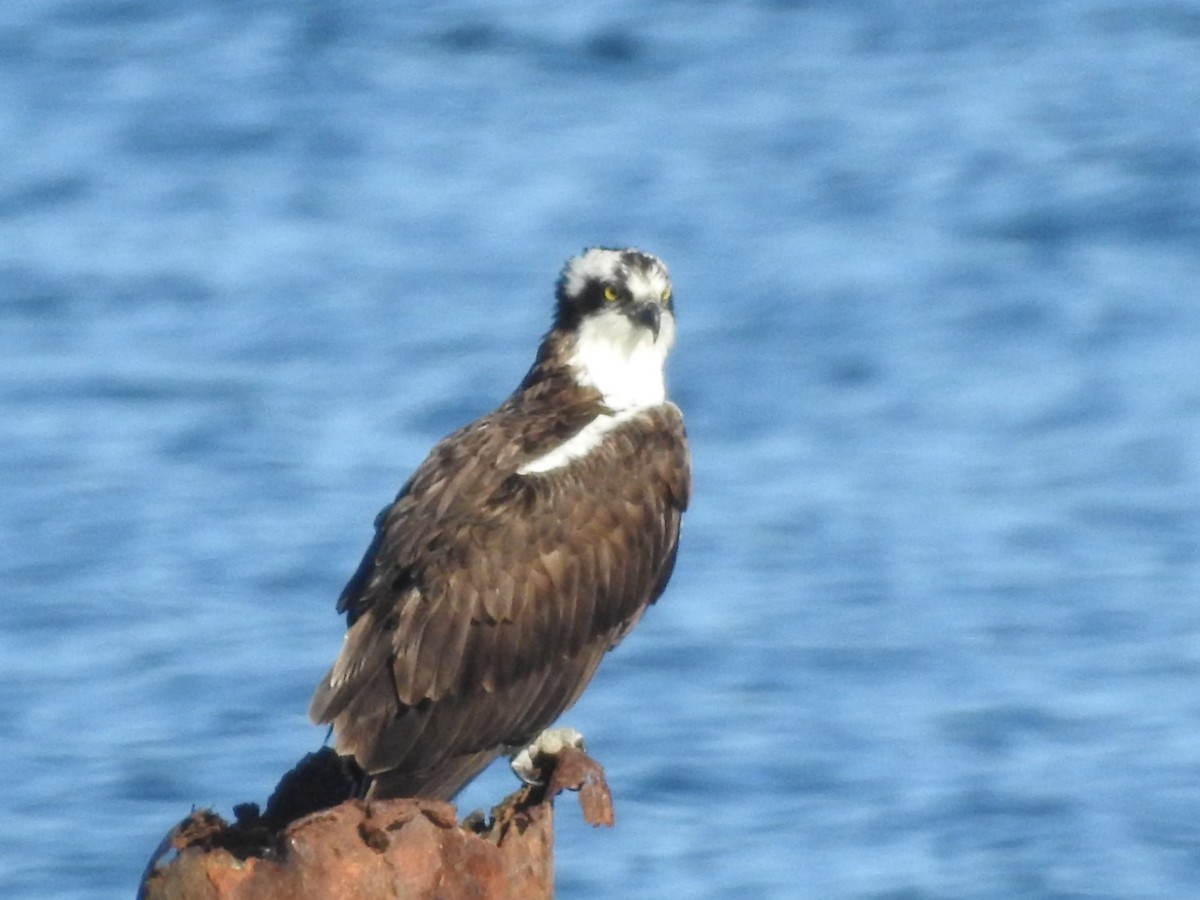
point(521, 550)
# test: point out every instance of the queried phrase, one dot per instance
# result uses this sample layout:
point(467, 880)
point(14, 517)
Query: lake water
point(934, 631)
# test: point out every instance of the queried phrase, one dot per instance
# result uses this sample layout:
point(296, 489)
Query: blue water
point(934, 631)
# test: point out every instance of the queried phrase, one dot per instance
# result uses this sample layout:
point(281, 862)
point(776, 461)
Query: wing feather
point(487, 599)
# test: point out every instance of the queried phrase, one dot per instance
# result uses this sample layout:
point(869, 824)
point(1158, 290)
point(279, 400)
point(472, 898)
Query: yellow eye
point(610, 294)
point(666, 295)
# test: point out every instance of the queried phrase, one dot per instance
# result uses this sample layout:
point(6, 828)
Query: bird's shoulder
point(473, 490)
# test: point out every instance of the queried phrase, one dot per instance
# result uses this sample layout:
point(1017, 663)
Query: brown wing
point(488, 599)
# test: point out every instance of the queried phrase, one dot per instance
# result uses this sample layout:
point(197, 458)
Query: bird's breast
point(580, 444)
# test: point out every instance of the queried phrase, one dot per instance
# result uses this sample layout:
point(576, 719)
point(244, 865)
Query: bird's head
point(614, 285)
point(618, 308)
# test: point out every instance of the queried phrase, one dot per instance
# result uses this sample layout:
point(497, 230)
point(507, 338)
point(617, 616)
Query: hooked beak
point(649, 315)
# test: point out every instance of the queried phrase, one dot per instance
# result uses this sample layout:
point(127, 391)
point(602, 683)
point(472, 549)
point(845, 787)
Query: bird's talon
point(530, 762)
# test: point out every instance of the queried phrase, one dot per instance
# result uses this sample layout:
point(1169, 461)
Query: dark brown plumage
point(489, 594)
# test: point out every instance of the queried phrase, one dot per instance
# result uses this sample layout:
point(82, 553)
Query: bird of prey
point(524, 547)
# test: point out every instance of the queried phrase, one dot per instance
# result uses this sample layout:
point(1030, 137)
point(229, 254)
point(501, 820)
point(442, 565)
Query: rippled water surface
point(934, 631)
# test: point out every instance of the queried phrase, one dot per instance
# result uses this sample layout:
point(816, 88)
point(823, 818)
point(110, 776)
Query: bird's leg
point(533, 761)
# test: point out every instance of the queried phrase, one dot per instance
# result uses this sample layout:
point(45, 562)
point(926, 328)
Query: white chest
point(623, 362)
point(580, 445)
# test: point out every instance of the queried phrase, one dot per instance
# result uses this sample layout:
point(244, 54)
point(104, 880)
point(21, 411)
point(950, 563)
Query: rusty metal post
point(377, 850)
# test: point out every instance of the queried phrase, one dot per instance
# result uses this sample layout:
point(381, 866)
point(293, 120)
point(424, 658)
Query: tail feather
point(439, 782)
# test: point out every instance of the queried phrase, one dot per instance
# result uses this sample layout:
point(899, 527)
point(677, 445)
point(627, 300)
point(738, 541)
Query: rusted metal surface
point(377, 850)
point(576, 771)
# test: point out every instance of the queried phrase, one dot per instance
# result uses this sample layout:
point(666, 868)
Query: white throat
point(622, 360)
